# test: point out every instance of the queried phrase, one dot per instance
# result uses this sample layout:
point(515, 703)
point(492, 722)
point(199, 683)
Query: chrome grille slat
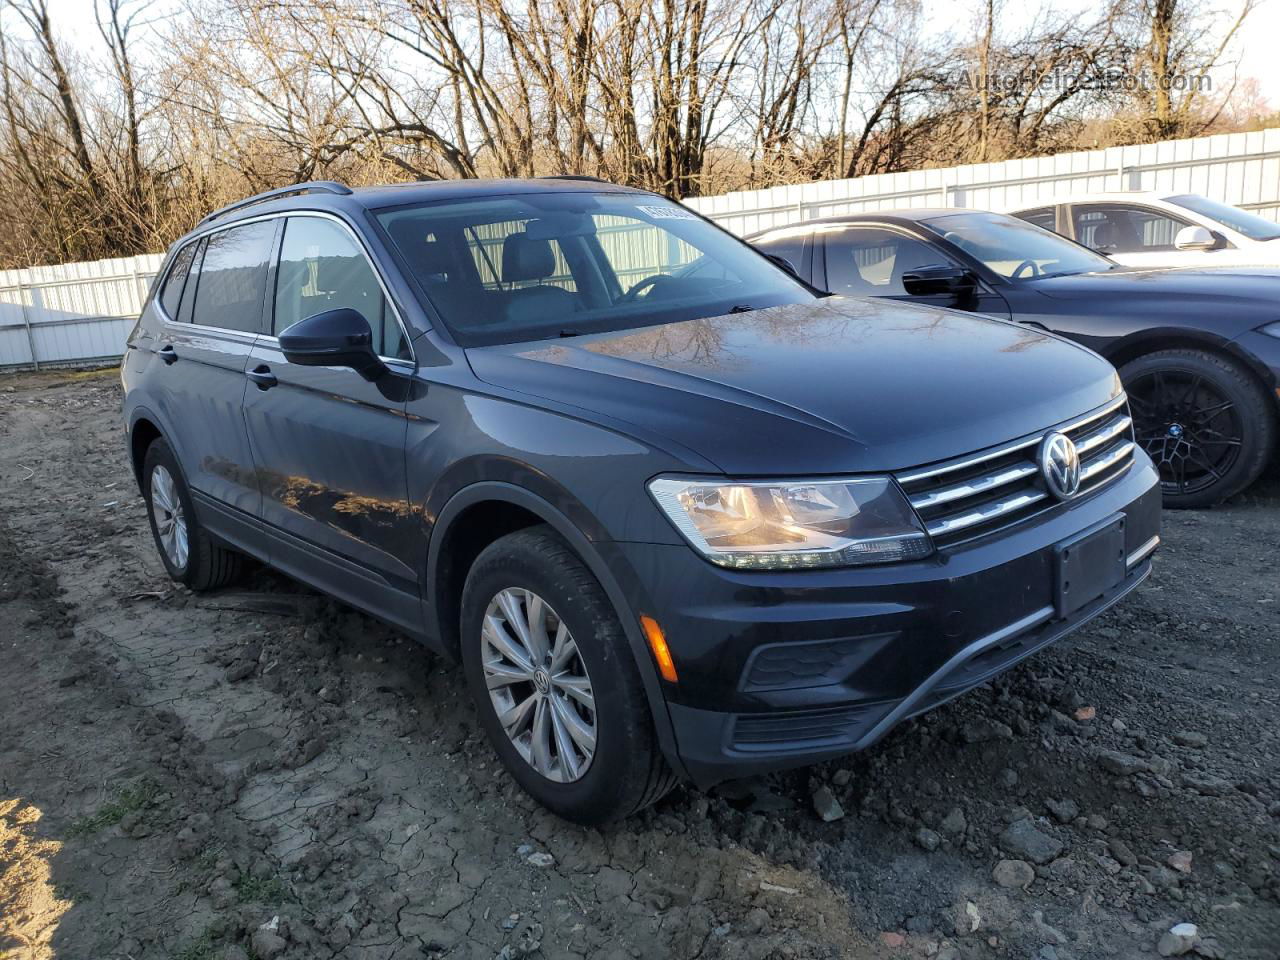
point(1067, 428)
point(1103, 434)
point(1096, 467)
point(974, 495)
point(971, 488)
point(989, 512)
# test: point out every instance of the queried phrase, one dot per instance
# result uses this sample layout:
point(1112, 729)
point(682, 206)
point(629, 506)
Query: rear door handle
point(167, 353)
point(262, 376)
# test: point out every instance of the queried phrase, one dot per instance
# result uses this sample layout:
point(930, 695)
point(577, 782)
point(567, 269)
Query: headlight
point(794, 524)
point(1272, 328)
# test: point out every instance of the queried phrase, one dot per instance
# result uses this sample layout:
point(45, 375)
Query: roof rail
point(572, 176)
point(313, 186)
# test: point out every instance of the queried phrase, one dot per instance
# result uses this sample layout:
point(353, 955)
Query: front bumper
point(783, 669)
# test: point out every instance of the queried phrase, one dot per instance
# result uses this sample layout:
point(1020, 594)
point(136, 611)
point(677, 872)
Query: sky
point(1258, 54)
point(1255, 49)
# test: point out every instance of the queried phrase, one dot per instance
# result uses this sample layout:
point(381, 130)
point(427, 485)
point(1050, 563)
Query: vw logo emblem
point(1060, 465)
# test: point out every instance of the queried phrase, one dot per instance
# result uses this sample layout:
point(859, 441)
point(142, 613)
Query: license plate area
point(1089, 565)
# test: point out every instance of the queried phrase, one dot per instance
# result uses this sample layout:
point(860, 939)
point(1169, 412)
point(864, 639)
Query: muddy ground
point(263, 772)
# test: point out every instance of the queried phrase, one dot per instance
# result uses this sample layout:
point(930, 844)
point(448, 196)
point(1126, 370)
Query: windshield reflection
point(1014, 248)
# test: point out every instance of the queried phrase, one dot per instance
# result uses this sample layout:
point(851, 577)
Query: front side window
point(171, 294)
point(1125, 229)
point(323, 268)
point(530, 266)
point(870, 261)
point(1014, 248)
point(787, 243)
point(233, 276)
point(1241, 221)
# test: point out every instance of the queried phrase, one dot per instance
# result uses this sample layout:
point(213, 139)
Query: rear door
point(328, 444)
point(208, 332)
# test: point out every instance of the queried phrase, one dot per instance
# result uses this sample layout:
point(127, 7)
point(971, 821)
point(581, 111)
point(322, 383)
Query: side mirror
point(939, 280)
point(335, 338)
point(784, 263)
point(1196, 238)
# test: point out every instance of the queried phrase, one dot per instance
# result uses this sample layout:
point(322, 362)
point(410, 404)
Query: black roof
point(904, 215)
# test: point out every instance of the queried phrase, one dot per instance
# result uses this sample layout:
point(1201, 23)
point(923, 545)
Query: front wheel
point(554, 681)
point(1206, 422)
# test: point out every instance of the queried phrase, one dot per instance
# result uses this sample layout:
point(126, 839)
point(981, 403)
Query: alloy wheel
point(1191, 429)
point(171, 522)
point(538, 684)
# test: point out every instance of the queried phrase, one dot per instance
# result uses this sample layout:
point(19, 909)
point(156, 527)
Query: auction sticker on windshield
point(671, 212)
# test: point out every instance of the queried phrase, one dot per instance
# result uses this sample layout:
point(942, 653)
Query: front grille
point(985, 492)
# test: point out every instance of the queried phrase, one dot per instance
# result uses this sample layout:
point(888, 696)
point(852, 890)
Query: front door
point(1134, 235)
point(329, 445)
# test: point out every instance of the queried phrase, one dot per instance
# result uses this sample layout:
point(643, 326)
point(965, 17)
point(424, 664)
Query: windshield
point(1014, 248)
point(537, 265)
point(1241, 221)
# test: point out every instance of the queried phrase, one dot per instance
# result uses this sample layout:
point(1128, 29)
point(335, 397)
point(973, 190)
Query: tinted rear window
point(233, 277)
point(171, 295)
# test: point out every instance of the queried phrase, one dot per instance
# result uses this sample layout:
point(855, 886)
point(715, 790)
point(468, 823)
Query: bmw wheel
point(188, 553)
point(1206, 422)
point(553, 679)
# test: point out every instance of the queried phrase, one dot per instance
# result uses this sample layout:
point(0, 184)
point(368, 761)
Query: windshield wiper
point(569, 333)
point(741, 308)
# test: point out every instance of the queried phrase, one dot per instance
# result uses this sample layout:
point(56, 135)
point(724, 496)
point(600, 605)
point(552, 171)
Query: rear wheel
point(553, 679)
point(1206, 422)
point(188, 553)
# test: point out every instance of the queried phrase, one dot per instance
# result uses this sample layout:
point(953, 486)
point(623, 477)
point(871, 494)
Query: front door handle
point(262, 376)
point(167, 353)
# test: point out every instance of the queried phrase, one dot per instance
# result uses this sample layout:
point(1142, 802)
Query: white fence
point(75, 313)
point(1238, 168)
point(82, 312)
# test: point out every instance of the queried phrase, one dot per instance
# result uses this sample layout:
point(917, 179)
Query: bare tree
point(119, 152)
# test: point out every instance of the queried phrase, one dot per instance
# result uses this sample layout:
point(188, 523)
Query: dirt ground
point(264, 773)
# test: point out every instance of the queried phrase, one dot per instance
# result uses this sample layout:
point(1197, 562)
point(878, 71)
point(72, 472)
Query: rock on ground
point(1027, 842)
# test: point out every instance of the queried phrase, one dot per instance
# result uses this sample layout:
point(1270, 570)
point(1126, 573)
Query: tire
point(625, 771)
point(1219, 467)
point(203, 564)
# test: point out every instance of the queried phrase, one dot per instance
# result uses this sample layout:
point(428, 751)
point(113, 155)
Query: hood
point(831, 386)
point(1242, 288)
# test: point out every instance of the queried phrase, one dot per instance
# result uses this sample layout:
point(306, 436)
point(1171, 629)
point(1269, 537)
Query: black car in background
point(676, 513)
point(1198, 349)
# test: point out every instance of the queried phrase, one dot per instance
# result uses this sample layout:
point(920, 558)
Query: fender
point(587, 552)
point(1151, 339)
point(140, 412)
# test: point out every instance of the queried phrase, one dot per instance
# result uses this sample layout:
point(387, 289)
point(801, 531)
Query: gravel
point(267, 753)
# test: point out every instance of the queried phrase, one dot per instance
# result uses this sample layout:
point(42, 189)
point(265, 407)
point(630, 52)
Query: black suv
point(677, 514)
